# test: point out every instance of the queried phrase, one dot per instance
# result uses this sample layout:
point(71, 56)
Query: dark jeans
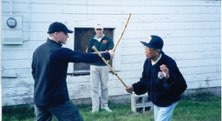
point(63, 112)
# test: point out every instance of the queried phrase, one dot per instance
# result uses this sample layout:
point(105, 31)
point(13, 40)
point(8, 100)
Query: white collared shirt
point(98, 38)
point(154, 62)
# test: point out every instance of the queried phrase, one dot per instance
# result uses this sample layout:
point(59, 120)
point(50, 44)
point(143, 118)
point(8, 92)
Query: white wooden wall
point(190, 29)
point(0, 58)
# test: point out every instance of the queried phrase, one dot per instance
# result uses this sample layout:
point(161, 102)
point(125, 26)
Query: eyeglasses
point(98, 29)
point(151, 49)
point(65, 33)
point(148, 49)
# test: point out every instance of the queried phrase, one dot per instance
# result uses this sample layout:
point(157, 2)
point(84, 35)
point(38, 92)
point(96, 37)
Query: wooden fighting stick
point(113, 71)
point(114, 49)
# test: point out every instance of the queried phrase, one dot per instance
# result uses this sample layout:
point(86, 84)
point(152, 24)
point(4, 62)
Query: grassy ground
point(199, 107)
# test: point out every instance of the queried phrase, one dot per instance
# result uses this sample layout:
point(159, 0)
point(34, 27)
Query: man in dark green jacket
point(99, 71)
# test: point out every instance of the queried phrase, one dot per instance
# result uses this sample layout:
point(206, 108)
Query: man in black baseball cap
point(49, 71)
point(154, 42)
point(153, 47)
point(161, 78)
point(58, 27)
point(59, 32)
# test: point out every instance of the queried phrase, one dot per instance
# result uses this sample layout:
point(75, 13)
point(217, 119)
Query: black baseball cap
point(58, 27)
point(155, 42)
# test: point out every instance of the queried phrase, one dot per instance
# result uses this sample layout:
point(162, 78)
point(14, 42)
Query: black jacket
point(49, 70)
point(162, 92)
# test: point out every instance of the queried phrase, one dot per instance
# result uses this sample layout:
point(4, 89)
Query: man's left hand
point(165, 71)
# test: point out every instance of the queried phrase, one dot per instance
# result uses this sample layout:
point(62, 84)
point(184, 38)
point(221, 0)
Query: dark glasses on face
point(65, 33)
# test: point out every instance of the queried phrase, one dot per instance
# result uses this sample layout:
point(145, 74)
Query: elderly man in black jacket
point(161, 78)
point(49, 70)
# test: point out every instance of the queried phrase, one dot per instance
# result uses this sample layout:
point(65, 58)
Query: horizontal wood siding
point(190, 29)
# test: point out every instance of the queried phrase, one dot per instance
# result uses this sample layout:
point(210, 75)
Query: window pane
point(82, 36)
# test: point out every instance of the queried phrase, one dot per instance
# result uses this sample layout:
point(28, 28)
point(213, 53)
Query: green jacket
point(106, 43)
